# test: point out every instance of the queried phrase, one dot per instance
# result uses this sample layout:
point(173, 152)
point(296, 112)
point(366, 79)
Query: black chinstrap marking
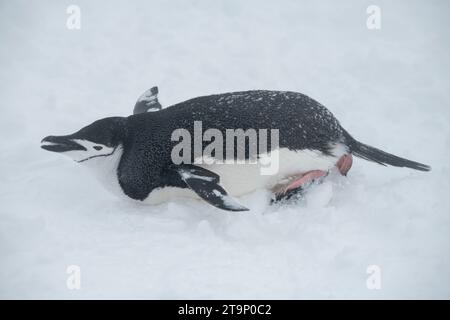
point(99, 155)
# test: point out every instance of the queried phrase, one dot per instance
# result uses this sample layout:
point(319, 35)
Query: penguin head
point(99, 139)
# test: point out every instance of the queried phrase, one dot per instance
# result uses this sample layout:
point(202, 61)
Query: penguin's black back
point(303, 123)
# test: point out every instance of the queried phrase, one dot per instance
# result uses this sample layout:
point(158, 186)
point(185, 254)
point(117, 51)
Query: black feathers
point(369, 153)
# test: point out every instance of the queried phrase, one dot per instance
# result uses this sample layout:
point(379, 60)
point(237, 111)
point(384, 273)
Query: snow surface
point(389, 88)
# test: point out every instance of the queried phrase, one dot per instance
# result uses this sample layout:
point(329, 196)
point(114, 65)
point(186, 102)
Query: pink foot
point(299, 181)
point(307, 177)
point(344, 164)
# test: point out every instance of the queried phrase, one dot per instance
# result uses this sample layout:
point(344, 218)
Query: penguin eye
point(98, 147)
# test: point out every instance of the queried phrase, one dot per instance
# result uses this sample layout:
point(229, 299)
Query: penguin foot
point(297, 185)
point(344, 164)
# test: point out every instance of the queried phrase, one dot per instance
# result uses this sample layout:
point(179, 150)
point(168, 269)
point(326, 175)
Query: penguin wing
point(205, 184)
point(148, 102)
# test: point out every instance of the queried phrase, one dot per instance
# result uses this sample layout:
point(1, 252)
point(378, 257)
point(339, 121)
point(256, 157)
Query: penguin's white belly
point(239, 179)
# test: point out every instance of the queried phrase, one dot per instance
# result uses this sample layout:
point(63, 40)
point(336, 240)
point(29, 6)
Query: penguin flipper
point(148, 102)
point(205, 184)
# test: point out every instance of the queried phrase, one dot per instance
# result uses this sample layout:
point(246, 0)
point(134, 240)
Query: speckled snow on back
point(303, 123)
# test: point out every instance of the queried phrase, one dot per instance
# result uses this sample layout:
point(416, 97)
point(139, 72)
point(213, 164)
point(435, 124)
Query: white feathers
point(237, 179)
point(93, 150)
point(240, 179)
point(105, 170)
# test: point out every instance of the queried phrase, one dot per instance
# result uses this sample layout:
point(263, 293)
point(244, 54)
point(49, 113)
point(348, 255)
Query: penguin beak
point(60, 144)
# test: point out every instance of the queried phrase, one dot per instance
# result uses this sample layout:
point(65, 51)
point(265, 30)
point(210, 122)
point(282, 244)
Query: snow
point(388, 87)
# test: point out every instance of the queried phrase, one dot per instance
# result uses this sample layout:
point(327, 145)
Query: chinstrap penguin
point(132, 155)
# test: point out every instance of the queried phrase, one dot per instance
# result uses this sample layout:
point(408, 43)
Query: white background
point(389, 88)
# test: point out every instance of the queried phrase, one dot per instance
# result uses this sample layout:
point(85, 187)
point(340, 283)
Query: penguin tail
point(369, 153)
